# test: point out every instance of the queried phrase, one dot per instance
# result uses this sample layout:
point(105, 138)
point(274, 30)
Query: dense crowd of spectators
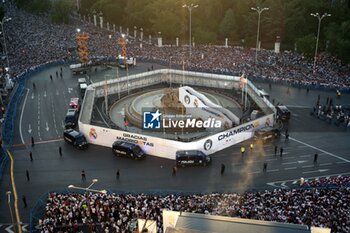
point(330, 181)
point(117, 212)
point(33, 40)
point(337, 114)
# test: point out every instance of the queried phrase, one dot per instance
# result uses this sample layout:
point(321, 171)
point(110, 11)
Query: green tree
point(201, 35)
point(167, 20)
point(61, 10)
point(35, 6)
point(85, 6)
point(306, 45)
point(228, 26)
point(113, 10)
point(339, 40)
point(137, 13)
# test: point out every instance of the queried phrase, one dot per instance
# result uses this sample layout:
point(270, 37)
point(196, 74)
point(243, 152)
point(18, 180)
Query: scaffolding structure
point(123, 44)
point(83, 51)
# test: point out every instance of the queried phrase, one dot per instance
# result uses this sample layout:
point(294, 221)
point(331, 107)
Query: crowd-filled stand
point(33, 40)
point(313, 206)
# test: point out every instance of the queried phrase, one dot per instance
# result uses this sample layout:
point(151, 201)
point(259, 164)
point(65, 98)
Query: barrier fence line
point(18, 219)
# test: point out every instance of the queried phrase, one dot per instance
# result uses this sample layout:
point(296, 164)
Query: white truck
point(79, 68)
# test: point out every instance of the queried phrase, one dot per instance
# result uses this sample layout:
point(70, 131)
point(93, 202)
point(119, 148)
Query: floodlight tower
point(83, 50)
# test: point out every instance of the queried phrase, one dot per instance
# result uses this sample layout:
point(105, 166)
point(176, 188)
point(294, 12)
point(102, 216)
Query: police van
point(283, 112)
point(71, 118)
point(186, 158)
point(267, 133)
point(128, 149)
point(75, 138)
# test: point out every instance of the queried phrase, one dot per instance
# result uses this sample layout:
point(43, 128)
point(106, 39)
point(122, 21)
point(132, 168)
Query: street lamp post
point(317, 15)
point(4, 19)
point(88, 189)
point(259, 10)
point(190, 7)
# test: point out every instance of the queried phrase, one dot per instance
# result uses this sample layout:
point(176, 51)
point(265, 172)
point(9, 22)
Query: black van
point(267, 133)
point(283, 113)
point(192, 158)
point(128, 149)
point(71, 118)
point(75, 138)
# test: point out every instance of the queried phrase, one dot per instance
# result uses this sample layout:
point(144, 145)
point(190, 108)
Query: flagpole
point(118, 83)
point(242, 93)
point(106, 99)
point(183, 72)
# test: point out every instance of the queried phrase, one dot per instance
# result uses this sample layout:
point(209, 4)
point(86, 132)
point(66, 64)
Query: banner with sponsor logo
point(167, 148)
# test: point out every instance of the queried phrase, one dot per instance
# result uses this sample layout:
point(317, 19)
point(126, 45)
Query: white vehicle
point(130, 61)
point(79, 68)
point(81, 80)
point(82, 88)
point(74, 66)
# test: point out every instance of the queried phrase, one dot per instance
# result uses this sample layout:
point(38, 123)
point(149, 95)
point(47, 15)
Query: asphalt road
point(45, 108)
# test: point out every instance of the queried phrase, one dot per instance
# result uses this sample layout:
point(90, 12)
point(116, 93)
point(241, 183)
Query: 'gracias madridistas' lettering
point(141, 140)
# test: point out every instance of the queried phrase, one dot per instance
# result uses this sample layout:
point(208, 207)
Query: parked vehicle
point(75, 138)
point(82, 88)
point(75, 104)
point(192, 158)
point(267, 133)
point(128, 149)
point(71, 118)
point(283, 112)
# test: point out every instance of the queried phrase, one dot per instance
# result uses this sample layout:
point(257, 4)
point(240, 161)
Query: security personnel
point(242, 150)
point(338, 93)
point(276, 150)
point(315, 158)
point(222, 169)
point(265, 167)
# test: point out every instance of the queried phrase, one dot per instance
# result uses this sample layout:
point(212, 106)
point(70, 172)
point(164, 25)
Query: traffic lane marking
point(21, 117)
point(256, 172)
point(307, 166)
point(273, 170)
point(326, 164)
point(319, 149)
point(319, 170)
point(305, 156)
